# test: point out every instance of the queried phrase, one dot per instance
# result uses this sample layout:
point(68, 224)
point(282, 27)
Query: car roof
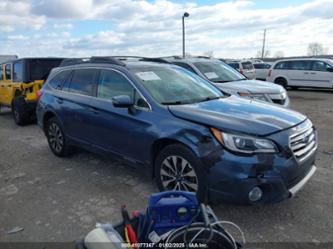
point(120, 64)
point(305, 59)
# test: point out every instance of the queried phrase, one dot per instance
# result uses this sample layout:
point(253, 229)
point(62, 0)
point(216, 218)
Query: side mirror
point(330, 69)
point(122, 101)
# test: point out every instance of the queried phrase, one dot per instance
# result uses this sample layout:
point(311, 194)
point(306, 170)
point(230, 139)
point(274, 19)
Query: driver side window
point(112, 83)
point(320, 66)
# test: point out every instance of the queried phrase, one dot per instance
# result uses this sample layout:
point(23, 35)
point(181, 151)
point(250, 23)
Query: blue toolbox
point(170, 210)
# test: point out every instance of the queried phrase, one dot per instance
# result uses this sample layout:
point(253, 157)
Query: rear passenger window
point(18, 71)
point(8, 72)
point(320, 66)
point(83, 81)
point(282, 65)
point(300, 65)
point(113, 84)
point(58, 81)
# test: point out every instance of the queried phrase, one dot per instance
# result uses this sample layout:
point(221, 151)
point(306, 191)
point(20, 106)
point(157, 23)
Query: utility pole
point(263, 45)
point(183, 20)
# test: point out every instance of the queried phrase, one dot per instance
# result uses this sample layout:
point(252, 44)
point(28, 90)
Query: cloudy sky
point(232, 29)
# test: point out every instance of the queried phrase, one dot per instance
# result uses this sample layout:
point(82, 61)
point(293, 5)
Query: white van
point(307, 72)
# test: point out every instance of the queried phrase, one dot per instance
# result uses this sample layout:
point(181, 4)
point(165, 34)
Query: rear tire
point(178, 168)
point(19, 109)
point(282, 82)
point(56, 138)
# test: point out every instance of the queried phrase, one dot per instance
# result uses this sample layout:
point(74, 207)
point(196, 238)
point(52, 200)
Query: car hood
point(251, 86)
point(239, 115)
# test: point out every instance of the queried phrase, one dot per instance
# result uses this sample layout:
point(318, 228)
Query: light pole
point(183, 19)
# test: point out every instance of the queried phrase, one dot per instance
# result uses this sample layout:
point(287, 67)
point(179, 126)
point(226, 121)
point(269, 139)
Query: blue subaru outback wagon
point(177, 125)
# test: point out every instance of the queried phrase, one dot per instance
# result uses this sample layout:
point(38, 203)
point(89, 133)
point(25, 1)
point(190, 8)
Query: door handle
point(94, 110)
point(313, 73)
point(60, 100)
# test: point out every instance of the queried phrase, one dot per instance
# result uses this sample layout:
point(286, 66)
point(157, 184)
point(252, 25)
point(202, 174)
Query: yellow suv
point(20, 81)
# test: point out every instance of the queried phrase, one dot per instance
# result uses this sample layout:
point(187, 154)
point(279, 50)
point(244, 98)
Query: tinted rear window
point(39, 69)
point(300, 65)
point(247, 65)
point(83, 81)
point(261, 66)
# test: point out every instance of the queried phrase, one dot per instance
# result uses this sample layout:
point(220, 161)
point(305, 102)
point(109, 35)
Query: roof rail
point(93, 59)
point(139, 58)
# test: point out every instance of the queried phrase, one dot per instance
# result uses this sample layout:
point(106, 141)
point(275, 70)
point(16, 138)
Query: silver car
point(245, 67)
point(231, 81)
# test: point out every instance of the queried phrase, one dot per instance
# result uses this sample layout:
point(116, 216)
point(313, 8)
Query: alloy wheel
point(178, 174)
point(56, 137)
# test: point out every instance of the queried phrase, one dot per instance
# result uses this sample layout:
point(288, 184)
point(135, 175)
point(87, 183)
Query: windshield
point(175, 85)
point(218, 72)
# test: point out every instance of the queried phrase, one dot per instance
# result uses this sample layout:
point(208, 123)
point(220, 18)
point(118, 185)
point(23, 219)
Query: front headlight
point(244, 144)
point(261, 97)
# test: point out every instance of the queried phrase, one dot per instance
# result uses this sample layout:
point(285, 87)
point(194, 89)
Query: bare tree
point(266, 54)
point(316, 48)
point(279, 54)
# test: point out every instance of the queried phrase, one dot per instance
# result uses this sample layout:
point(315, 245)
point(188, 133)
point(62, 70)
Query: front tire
point(56, 138)
point(178, 168)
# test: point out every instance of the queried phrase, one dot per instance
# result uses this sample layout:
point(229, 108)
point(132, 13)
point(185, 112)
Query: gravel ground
point(56, 199)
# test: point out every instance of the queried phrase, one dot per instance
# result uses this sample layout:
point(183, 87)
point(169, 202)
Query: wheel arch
point(161, 143)
point(47, 116)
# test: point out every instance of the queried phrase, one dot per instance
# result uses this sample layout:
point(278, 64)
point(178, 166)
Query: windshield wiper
point(221, 81)
point(172, 103)
point(209, 98)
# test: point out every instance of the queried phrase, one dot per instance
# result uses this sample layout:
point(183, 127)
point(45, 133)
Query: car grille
point(304, 143)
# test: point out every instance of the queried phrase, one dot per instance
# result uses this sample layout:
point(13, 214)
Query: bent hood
point(251, 86)
point(239, 115)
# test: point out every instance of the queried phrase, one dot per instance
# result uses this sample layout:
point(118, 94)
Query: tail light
point(269, 72)
point(39, 93)
point(241, 71)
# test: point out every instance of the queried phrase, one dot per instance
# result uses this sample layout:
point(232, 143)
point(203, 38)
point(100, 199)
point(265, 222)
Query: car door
point(300, 73)
point(120, 130)
point(75, 104)
point(319, 75)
